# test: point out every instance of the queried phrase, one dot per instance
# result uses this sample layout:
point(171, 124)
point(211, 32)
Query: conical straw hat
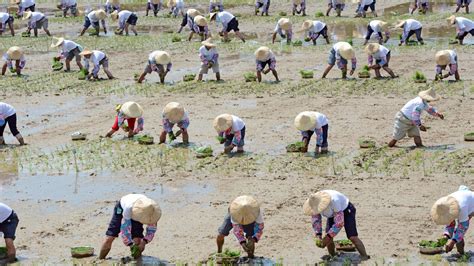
point(429, 95)
point(372, 48)
point(297, 2)
point(193, 12)
point(57, 42)
point(443, 58)
point(284, 23)
point(14, 53)
point(131, 109)
point(307, 24)
point(346, 50)
point(115, 2)
point(244, 210)
point(451, 19)
point(162, 58)
point(445, 210)
point(114, 15)
point(401, 24)
point(26, 15)
point(262, 53)
point(200, 20)
point(208, 43)
point(146, 211)
point(317, 203)
point(381, 24)
point(212, 15)
point(305, 121)
point(174, 112)
point(100, 14)
point(222, 122)
point(85, 52)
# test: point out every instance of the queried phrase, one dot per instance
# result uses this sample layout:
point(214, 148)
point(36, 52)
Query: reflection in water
point(434, 6)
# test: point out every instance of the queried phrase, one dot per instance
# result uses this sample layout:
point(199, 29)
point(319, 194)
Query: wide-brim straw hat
point(57, 42)
point(131, 109)
point(114, 15)
point(297, 2)
point(262, 53)
point(445, 210)
point(317, 203)
point(200, 20)
point(307, 24)
point(346, 51)
point(222, 122)
point(209, 43)
point(174, 112)
point(244, 210)
point(162, 58)
point(171, 3)
point(451, 19)
point(146, 211)
point(14, 53)
point(193, 12)
point(381, 23)
point(401, 24)
point(372, 48)
point(212, 15)
point(85, 52)
point(100, 14)
point(26, 15)
point(284, 23)
point(305, 121)
point(429, 95)
point(115, 2)
point(443, 58)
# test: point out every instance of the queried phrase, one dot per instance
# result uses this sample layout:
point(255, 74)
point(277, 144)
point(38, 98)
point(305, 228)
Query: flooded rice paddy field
point(64, 191)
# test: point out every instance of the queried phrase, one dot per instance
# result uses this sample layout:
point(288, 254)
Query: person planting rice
point(131, 113)
point(340, 213)
point(95, 18)
point(229, 23)
point(376, 27)
point(25, 5)
point(66, 5)
point(341, 53)
point(199, 27)
point(338, 5)
point(309, 123)
point(302, 4)
point(381, 54)
point(284, 29)
point(155, 5)
point(454, 211)
point(130, 214)
point(176, 7)
point(314, 29)
point(8, 116)
point(16, 54)
point(111, 6)
point(408, 119)
point(264, 56)
point(36, 20)
point(69, 50)
point(8, 224)
point(446, 58)
point(158, 61)
point(422, 5)
point(216, 5)
point(410, 27)
point(245, 219)
point(209, 59)
point(188, 19)
point(364, 6)
point(231, 132)
point(262, 4)
point(464, 27)
point(126, 19)
point(6, 19)
point(463, 3)
point(98, 59)
point(174, 114)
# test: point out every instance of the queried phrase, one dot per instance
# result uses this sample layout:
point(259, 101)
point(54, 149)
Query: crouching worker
point(158, 61)
point(98, 59)
point(340, 213)
point(128, 114)
point(454, 211)
point(209, 59)
point(8, 116)
point(341, 53)
point(130, 214)
point(444, 59)
point(245, 218)
point(264, 56)
point(69, 51)
point(309, 123)
point(14, 60)
point(382, 57)
point(174, 114)
point(8, 224)
point(231, 132)
point(408, 120)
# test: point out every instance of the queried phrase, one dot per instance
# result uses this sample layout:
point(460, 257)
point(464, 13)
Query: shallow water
point(433, 7)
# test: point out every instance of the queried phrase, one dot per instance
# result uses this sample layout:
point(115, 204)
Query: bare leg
point(134, 30)
point(110, 133)
point(142, 77)
point(274, 72)
point(418, 141)
point(218, 76)
point(106, 247)
point(190, 36)
point(68, 64)
point(47, 32)
point(199, 77)
point(456, 75)
point(11, 251)
point(344, 72)
point(331, 248)
point(329, 10)
point(126, 29)
point(20, 139)
point(220, 242)
point(392, 143)
point(460, 247)
point(390, 71)
point(377, 72)
point(108, 73)
point(326, 71)
point(78, 62)
point(185, 137)
point(4, 69)
point(83, 31)
point(35, 32)
point(163, 137)
point(360, 247)
point(239, 35)
point(259, 76)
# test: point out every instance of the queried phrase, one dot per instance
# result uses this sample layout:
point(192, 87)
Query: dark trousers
point(418, 35)
point(11, 121)
point(325, 128)
point(463, 35)
point(370, 31)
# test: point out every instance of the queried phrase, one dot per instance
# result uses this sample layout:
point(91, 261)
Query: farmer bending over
point(6, 19)
point(174, 114)
point(98, 59)
point(127, 114)
point(284, 29)
point(229, 23)
point(95, 18)
point(381, 54)
point(14, 60)
point(264, 56)
point(36, 20)
point(8, 116)
point(314, 29)
point(444, 59)
point(341, 53)
point(158, 61)
point(309, 123)
point(8, 224)
point(231, 132)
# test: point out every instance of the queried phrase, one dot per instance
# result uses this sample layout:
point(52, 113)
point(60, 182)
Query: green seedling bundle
point(250, 77)
point(307, 74)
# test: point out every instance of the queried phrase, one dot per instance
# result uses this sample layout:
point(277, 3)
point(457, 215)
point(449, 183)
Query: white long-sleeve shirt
point(464, 24)
point(317, 26)
point(27, 3)
point(123, 17)
point(208, 55)
point(5, 211)
point(224, 17)
point(95, 58)
point(410, 24)
point(68, 3)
